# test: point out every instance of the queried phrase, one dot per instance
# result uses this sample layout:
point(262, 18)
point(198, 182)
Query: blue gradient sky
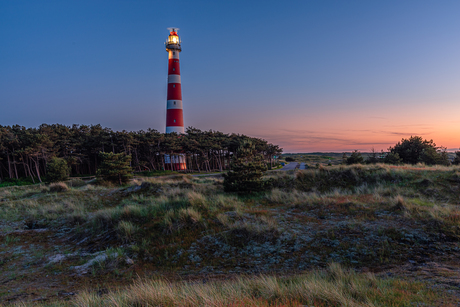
point(307, 75)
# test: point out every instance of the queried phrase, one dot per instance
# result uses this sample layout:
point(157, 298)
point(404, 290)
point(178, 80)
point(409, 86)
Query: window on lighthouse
point(174, 120)
point(174, 85)
point(174, 69)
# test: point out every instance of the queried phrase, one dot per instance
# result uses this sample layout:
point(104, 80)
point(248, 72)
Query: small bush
point(58, 187)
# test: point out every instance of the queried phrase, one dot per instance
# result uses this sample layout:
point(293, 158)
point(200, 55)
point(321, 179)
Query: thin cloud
point(422, 126)
point(408, 134)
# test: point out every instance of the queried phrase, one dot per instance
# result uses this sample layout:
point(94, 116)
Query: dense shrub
point(57, 170)
point(416, 149)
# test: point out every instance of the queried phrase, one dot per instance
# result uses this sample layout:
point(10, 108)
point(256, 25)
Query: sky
point(307, 75)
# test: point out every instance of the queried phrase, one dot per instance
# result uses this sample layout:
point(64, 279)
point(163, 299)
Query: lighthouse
point(174, 114)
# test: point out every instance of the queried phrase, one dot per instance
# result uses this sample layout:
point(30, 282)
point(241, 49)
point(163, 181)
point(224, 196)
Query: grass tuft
point(127, 229)
point(59, 187)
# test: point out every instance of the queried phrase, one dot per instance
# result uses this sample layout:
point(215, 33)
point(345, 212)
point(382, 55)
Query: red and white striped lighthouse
point(174, 114)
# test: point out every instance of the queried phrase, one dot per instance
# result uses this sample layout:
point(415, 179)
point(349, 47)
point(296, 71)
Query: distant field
point(324, 158)
point(312, 159)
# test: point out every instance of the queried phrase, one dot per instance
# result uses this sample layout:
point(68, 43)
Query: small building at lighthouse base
point(175, 162)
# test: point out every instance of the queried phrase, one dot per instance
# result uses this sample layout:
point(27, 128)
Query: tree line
point(25, 152)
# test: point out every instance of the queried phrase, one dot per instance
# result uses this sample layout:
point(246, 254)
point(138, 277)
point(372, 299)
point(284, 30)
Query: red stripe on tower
point(174, 114)
point(174, 118)
point(174, 91)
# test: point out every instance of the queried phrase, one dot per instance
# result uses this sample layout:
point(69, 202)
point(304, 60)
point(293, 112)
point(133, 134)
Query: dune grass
point(334, 286)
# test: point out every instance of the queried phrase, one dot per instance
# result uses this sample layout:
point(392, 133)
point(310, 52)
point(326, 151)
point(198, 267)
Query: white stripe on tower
point(174, 79)
point(174, 112)
point(174, 104)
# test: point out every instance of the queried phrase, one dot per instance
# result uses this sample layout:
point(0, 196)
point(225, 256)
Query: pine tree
point(115, 167)
point(355, 158)
point(246, 170)
point(344, 158)
point(372, 158)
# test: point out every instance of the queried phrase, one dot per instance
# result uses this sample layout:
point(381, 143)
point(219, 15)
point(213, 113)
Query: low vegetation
point(358, 235)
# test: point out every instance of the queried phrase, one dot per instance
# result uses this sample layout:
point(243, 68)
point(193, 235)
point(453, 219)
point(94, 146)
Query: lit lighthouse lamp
point(174, 113)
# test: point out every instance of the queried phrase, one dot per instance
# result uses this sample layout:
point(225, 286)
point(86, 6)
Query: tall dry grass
point(335, 286)
point(441, 214)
